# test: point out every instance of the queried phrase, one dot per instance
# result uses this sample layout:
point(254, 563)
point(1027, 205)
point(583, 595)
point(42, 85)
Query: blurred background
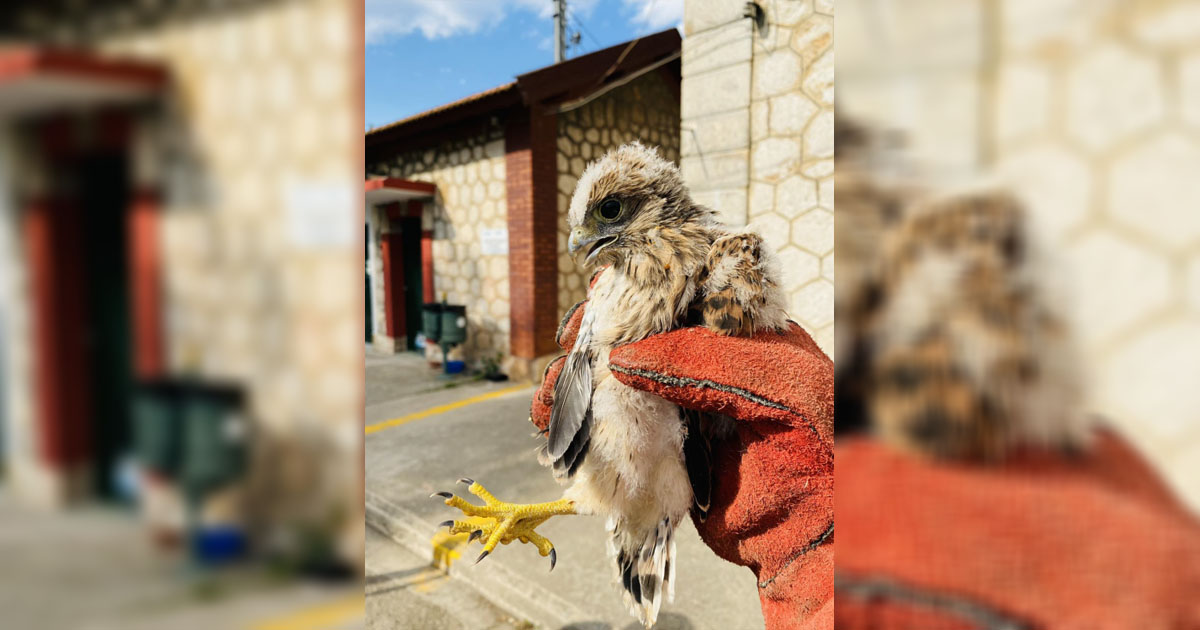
point(180, 379)
point(1090, 113)
point(481, 117)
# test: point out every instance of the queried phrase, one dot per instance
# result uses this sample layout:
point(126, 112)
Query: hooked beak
point(593, 243)
point(578, 240)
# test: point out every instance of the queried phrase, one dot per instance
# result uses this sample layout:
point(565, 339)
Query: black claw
point(553, 558)
point(475, 534)
point(466, 480)
point(481, 557)
point(446, 524)
point(444, 495)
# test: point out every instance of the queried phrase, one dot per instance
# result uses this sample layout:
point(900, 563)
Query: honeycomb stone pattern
point(1095, 123)
point(775, 171)
point(471, 196)
point(644, 110)
point(259, 102)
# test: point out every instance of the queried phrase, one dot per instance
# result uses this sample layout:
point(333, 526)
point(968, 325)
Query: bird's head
point(621, 198)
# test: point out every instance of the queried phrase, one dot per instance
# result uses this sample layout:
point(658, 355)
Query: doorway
point(370, 326)
point(406, 293)
point(105, 198)
point(78, 254)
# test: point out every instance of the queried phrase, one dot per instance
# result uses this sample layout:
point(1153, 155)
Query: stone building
point(468, 201)
point(756, 136)
point(1090, 112)
point(178, 186)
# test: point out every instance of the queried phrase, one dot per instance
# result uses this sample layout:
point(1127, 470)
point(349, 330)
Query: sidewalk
point(396, 376)
point(489, 439)
point(93, 568)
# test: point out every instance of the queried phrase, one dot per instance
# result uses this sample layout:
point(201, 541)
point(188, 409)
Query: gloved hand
point(1046, 540)
point(772, 500)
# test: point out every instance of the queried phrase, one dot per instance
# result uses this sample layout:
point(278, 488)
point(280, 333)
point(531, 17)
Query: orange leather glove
point(772, 500)
point(1047, 540)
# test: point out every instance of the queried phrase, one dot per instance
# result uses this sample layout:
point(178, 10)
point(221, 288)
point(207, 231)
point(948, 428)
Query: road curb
point(501, 586)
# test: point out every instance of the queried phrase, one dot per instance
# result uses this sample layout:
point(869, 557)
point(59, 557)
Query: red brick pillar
point(530, 172)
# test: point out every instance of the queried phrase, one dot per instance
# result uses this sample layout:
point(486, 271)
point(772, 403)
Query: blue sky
point(424, 53)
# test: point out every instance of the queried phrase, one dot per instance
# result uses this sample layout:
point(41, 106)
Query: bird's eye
point(609, 210)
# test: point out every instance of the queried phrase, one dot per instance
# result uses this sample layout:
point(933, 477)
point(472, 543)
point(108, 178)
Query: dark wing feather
point(572, 400)
point(697, 456)
point(570, 461)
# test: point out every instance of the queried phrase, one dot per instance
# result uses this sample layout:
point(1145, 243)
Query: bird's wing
point(702, 429)
point(570, 416)
point(741, 293)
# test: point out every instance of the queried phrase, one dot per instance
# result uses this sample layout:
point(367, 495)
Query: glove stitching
point(686, 381)
point(812, 544)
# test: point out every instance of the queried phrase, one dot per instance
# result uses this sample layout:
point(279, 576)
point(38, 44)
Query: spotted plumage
point(630, 456)
point(947, 343)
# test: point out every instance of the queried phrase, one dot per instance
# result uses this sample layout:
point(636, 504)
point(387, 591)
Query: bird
point(950, 344)
point(640, 462)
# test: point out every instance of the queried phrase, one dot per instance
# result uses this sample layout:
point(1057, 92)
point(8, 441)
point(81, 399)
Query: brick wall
point(532, 217)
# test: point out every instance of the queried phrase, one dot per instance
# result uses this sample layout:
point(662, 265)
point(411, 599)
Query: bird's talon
point(496, 522)
point(553, 558)
point(481, 556)
point(443, 494)
point(448, 524)
point(466, 480)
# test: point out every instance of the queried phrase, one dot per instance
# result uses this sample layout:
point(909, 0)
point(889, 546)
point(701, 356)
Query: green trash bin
point(214, 437)
point(431, 321)
point(156, 427)
point(454, 324)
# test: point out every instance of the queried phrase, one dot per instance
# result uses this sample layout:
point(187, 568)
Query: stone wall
point(1090, 112)
point(252, 145)
point(645, 109)
point(470, 178)
point(255, 128)
point(757, 135)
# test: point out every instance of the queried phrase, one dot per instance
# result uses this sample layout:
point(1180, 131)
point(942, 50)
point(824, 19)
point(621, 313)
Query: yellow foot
point(503, 522)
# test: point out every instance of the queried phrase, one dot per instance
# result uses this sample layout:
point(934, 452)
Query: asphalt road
point(425, 437)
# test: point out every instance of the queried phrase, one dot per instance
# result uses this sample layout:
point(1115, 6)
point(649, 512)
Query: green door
point(367, 291)
point(410, 248)
point(104, 194)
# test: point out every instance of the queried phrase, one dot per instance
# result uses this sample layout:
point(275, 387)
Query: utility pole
point(560, 30)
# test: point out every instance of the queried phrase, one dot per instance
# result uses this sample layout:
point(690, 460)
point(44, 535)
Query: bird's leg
point(503, 522)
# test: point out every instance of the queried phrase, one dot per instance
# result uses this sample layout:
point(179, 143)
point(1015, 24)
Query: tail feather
point(645, 569)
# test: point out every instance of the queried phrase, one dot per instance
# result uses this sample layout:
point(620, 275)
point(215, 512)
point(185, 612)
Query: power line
point(571, 14)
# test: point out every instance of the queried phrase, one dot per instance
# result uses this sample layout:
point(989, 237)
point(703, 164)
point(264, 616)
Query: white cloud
point(435, 19)
point(655, 15)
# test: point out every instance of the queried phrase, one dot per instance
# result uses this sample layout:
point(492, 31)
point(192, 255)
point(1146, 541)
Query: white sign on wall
point(321, 214)
point(493, 241)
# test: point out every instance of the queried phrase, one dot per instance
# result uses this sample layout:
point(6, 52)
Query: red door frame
point(391, 254)
point(55, 245)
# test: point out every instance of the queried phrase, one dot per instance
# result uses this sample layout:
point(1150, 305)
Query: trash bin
point(156, 429)
point(431, 321)
point(214, 437)
point(454, 324)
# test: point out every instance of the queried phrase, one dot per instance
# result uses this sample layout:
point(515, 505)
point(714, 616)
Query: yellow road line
point(395, 422)
point(327, 615)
